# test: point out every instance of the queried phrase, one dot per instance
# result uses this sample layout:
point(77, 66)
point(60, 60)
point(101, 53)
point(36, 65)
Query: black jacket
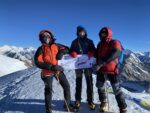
point(82, 45)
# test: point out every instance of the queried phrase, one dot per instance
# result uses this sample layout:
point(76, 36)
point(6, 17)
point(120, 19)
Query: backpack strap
point(81, 50)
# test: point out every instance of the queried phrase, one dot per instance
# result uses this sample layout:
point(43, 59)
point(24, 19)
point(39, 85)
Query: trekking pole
point(57, 74)
point(106, 91)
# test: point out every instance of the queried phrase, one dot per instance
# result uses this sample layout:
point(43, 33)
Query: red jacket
point(108, 52)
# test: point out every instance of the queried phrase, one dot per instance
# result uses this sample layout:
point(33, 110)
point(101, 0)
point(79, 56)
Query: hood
point(43, 31)
point(79, 29)
point(41, 35)
point(109, 33)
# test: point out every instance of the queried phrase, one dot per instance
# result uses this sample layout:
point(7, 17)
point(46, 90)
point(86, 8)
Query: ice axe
point(57, 77)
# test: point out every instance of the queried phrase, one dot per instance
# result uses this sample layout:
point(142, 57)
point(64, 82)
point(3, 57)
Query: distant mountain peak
point(23, 54)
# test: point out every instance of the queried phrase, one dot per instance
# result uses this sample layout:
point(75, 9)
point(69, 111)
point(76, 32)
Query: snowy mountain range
point(23, 54)
point(136, 65)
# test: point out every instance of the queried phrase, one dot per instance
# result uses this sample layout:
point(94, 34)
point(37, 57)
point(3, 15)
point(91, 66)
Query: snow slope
point(22, 92)
point(9, 65)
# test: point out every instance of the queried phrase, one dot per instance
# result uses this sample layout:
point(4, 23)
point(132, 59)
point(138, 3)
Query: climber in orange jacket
point(46, 58)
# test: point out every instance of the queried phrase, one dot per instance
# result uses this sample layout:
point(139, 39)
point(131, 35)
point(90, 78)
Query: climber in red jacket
point(107, 55)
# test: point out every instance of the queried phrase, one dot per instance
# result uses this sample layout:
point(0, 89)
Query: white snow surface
point(9, 65)
point(23, 92)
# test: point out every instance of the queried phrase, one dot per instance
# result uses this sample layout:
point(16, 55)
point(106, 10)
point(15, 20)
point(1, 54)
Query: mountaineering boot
point(68, 108)
point(71, 107)
point(77, 104)
point(103, 107)
point(91, 105)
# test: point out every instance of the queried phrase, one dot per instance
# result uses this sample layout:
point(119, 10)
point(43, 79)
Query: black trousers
point(89, 83)
point(115, 86)
point(48, 88)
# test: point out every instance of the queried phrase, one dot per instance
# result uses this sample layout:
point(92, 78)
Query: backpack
point(121, 56)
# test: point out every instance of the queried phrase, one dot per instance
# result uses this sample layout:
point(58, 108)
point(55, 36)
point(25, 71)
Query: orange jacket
point(45, 57)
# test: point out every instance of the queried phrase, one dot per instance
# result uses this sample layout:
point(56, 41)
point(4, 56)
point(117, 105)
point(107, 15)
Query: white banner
point(82, 61)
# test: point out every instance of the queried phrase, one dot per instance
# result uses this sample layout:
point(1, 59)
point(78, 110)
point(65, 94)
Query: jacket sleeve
point(72, 47)
point(63, 49)
point(92, 46)
point(112, 56)
point(96, 51)
point(38, 63)
point(114, 53)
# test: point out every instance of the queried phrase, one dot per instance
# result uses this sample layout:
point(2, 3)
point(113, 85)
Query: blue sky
point(21, 21)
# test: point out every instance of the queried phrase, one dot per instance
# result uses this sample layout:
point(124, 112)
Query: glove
point(59, 55)
point(73, 54)
point(90, 54)
point(99, 65)
point(57, 68)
